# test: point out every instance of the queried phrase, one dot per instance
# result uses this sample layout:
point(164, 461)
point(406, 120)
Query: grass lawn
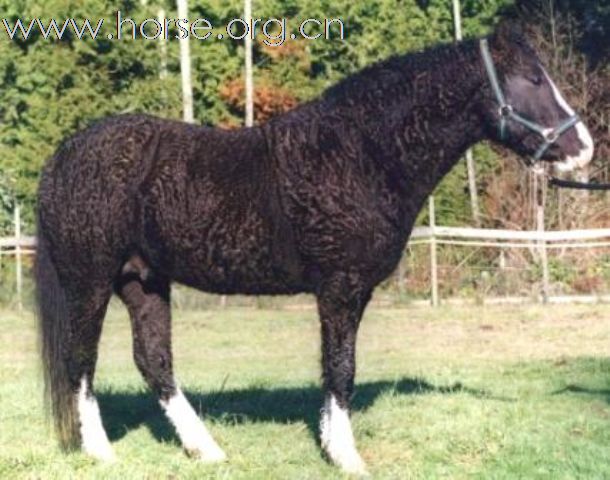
point(457, 392)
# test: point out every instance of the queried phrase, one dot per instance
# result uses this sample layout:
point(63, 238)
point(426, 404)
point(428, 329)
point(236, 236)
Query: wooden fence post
point(544, 261)
point(401, 277)
point(433, 259)
point(18, 265)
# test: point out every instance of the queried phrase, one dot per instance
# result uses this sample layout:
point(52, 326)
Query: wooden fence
point(539, 241)
point(18, 246)
point(536, 240)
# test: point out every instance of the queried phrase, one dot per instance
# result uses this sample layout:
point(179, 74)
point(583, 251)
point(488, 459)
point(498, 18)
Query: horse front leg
point(341, 303)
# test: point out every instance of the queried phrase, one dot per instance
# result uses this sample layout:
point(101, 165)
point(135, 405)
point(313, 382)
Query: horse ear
point(508, 32)
point(519, 31)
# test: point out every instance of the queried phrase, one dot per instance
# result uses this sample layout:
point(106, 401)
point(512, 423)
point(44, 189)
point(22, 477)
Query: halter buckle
point(552, 136)
point(505, 110)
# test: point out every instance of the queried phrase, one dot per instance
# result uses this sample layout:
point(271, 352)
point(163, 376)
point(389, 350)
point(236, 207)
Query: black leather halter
point(549, 136)
point(507, 112)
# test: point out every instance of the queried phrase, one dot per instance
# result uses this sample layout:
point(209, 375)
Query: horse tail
point(54, 336)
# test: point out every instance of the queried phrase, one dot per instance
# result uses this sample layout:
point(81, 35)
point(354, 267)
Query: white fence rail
point(518, 235)
point(443, 235)
point(8, 245)
point(536, 240)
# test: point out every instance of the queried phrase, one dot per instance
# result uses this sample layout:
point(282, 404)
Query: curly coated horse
point(319, 200)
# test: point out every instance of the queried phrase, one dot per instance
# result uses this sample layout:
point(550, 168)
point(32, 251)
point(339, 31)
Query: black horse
point(319, 200)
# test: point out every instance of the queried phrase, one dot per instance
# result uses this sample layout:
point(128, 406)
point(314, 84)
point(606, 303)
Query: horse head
point(523, 108)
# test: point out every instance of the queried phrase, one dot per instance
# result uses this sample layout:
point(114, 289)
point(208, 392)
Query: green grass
point(460, 392)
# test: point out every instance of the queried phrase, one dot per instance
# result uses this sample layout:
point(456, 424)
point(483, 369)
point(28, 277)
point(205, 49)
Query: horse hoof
point(356, 468)
point(210, 456)
point(350, 462)
point(103, 455)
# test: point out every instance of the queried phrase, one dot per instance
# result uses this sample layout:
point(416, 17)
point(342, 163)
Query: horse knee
point(154, 361)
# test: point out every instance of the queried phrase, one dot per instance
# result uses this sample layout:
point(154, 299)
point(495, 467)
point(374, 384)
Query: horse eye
point(536, 80)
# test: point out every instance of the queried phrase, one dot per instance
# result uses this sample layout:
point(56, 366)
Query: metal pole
point(249, 120)
point(162, 46)
point(433, 259)
point(18, 267)
point(185, 67)
point(249, 87)
point(457, 20)
point(472, 182)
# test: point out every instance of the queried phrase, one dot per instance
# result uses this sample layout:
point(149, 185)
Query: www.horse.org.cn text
point(273, 31)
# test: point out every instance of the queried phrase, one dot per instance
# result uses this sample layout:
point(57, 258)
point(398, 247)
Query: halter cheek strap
point(506, 111)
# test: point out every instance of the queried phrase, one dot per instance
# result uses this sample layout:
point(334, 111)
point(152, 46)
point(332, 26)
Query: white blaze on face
point(93, 436)
point(195, 438)
point(586, 153)
point(337, 438)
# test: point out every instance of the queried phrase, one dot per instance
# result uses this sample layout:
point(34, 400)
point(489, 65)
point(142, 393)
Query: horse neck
point(430, 121)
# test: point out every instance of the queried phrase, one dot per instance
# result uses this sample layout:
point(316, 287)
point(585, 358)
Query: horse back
point(211, 214)
point(199, 205)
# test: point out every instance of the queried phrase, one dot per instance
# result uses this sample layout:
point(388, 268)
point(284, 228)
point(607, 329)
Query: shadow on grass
point(125, 411)
point(601, 392)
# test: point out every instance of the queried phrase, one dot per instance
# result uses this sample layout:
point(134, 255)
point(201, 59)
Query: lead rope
point(541, 171)
point(559, 183)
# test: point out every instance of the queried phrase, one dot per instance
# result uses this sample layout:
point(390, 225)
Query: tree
point(51, 88)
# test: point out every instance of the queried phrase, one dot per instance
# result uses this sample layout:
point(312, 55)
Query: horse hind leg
point(86, 313)
point(70, 316)
point(147, 299)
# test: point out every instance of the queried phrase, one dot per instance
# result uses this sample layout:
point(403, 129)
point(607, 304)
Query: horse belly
point(242, 261)
point(234, 274)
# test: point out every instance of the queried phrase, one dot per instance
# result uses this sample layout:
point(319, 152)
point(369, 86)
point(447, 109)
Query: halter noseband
point(506, 111)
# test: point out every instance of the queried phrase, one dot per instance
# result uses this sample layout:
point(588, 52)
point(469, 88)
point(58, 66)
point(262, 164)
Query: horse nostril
point(554, 152)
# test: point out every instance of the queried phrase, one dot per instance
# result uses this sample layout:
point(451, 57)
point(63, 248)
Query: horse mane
point(422, 95)
point(393, 75)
